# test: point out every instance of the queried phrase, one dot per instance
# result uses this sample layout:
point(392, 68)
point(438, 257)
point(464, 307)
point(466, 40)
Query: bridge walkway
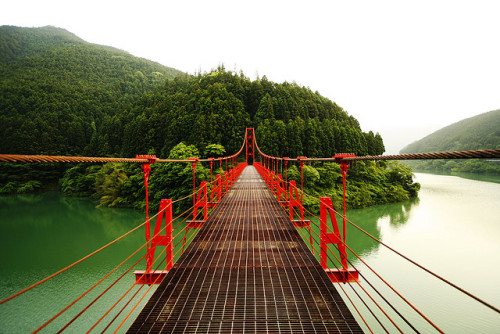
point(248, 270)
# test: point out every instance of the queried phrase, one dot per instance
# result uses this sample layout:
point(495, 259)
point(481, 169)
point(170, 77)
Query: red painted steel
point(216, 193)
point(240, 275)
point(200, 203)
point(344, 166)
point(193, 164)
point(149, 276)
point(344, 274)
point(146, 168)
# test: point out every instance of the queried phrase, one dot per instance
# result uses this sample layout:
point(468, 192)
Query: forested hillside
point(57, 91)
point(475, 133)
point(217, 107)
point(62, 96)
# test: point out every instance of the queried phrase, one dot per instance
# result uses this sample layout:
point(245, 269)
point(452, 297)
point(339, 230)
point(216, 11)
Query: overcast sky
point(402, 68)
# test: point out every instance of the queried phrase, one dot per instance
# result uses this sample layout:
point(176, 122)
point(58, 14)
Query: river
point(453, 229)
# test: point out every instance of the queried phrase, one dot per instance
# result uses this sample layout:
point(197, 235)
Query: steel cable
point(368, 294)
point(125, 272)
point(173, 238)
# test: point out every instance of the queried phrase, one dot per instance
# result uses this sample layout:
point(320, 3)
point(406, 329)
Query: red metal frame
point(149, 276)
point(281, 191)
point(200, 202)
point(344, 274)
point(216, 192)
point(293, 201)
point(344, 166)
point(146, 168)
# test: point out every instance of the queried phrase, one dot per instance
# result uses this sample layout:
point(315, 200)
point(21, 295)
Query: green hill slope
point(478, 132)
point(62, 96)
point(217, 107)
point(475, 133)
point(57, 91)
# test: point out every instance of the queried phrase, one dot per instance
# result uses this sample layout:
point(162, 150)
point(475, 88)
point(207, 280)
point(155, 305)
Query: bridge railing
point(322, 234)
point(173, 234)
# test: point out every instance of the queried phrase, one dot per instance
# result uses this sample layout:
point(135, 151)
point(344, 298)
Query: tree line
point(62, 96)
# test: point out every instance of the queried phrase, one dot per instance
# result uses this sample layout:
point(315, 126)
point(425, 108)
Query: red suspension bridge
point(250, 256)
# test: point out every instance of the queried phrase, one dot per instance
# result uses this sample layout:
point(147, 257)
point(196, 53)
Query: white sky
point(402, 68)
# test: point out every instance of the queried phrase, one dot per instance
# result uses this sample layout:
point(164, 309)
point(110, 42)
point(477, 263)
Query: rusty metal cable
point(86, 308)
point(473, 154)
point(71, 265)
point(411, 261)
point(123, 296)
point(360, 273)
point(89, 255)
point(368, 294)
point(53, 158)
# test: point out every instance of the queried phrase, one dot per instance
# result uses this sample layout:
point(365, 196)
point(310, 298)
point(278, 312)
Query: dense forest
point(57, 92)
point(476, 133)
point(62, 96)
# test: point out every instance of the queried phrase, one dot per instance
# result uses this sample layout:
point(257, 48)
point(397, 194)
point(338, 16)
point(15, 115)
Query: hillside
point(478, 132)
point(217, 107)
point(57, 91)
point(475, 133)
point(60, 95)
point(189, 116)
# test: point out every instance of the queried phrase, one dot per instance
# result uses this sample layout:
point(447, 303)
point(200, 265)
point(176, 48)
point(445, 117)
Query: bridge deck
point(247, 270)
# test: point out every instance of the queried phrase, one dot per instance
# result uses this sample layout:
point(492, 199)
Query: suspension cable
point(173, 238)
point(98, 297)
point(73, 264)
point(352, 265)
point(352, 303)
point(430, 322)
point(144, 295)
point(366, 292)
point(413, 262)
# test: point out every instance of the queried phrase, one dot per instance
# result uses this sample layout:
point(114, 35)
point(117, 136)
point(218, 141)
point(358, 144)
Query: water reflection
point(397, 214)
point(6, 200)
point(42, 233)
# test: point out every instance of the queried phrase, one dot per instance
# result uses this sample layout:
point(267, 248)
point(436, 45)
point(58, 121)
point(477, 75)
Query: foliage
point(62, 96)
point(368, 183)
point(214, 151)
point(21, 178)
point(476, 133)
point(217, 107)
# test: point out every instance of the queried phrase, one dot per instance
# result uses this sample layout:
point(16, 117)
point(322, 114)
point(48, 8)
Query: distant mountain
point(57, 91)
point(475, 133)
point(478, 132)
point(16, 43)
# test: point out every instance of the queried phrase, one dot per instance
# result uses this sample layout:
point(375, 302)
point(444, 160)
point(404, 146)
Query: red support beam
point(343, 274)
point(149, 276)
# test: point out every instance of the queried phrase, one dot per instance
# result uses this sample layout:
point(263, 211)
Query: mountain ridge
point(477, 132)
point(64, 88)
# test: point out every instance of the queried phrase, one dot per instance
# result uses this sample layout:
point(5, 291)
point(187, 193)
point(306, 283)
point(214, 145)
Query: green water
point(453, 228)
point(42, 233)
